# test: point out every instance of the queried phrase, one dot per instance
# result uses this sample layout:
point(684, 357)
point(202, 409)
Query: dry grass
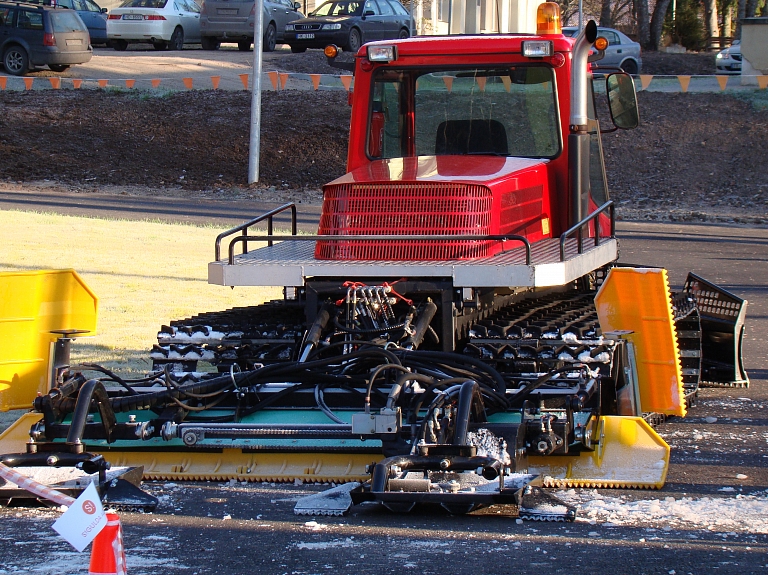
point(144, 273)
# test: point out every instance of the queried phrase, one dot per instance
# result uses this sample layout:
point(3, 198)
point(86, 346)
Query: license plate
point(736, 66)
point(74, 42)
point(226, 11)
point(305, 36)
point(133, 17)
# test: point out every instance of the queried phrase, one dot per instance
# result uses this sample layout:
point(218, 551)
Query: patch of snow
point(739, 513)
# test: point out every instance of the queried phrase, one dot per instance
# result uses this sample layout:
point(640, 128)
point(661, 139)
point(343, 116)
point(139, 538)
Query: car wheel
point(160, 45)
point(403, 34)
point(298, 50)
point(16, 61)
point(244, 45)
point(270, 38)
point(177, 39)
point(355, 41)
point(58, 67)
point(210, 43)
point(629, 66)
point(120, 45)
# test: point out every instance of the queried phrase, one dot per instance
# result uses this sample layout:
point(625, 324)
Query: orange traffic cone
point(107, 552)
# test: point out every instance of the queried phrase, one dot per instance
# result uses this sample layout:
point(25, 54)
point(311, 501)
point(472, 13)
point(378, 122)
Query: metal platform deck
point(289, 263)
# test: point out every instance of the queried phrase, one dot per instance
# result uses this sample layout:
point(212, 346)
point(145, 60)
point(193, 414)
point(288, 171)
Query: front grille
point(406, 209)
point(304, 27)
point(736, 57)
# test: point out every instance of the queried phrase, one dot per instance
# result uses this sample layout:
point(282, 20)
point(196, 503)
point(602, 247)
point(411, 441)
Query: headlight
point(290, 27)
point(331, 26)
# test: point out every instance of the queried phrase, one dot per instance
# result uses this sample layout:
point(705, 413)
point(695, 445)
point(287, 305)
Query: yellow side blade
point(225, 464)
point(638, 300)
point(32, 304)
point(630, 454)
point(183, 464)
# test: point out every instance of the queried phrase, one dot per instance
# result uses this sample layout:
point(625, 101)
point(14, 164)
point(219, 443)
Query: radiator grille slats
point(406, 209)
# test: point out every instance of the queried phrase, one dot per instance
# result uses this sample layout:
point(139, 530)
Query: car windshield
point(505, 112)
point(339, 9)
point(144, 4)
point(66, 22)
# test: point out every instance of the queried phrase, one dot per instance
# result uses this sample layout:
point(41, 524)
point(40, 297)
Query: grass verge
point(144, 273)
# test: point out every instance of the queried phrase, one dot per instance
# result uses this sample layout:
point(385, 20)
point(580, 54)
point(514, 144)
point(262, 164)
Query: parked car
point(163, 23)
point(349, 24)
point(233, 21)
point(728, 61)
point(622, 51)
point(92, 15)
point(33, 35)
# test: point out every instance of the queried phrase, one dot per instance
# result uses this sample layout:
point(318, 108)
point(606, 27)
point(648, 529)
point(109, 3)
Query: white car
point(728, 61)
point(622, 52)
point(163, 23)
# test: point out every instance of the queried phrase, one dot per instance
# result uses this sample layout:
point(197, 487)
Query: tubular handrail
point(244, 228)
point(417, 238)
point(578, 228)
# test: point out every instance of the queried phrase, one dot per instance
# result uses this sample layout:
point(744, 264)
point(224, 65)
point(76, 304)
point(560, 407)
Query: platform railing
point(578, 228)
point(369, 238)
point(244, 229)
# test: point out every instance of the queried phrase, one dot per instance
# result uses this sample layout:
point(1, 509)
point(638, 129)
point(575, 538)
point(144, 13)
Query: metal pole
point(411, 22)
point(581, 15)
point(255, 146)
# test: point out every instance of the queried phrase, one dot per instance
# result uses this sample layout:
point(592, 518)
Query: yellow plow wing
point(637, 300)
point(630, 454)
point(32, 305)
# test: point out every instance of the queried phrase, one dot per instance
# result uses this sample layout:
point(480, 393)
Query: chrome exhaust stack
point(578, 139)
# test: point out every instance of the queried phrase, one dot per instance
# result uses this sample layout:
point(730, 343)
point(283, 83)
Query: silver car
point(233, 21)
point(622, 52)
point(728, 61)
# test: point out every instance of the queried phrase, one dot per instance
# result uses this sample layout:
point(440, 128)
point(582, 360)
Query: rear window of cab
point(66, 21)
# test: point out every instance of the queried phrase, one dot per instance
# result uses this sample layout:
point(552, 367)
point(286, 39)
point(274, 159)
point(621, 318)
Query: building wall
point(475, 16)
point(754, 49)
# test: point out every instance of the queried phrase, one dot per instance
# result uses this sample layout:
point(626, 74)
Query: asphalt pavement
point(711, 517)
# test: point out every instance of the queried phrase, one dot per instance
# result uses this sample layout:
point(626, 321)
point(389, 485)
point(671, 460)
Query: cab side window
point(6, 17)
point(371, 6)
point(29, 20)
point(612, 37)
point(385, 8)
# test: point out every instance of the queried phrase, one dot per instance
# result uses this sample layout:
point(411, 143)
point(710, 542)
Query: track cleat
point(335, 501)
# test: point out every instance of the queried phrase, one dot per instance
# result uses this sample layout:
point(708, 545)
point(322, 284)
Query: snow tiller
point(458, 332)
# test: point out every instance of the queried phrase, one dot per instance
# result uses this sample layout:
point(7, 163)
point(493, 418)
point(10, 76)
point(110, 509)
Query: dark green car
point(33, 36)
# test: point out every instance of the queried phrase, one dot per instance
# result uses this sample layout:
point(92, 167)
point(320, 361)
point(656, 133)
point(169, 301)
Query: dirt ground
point(696, 157)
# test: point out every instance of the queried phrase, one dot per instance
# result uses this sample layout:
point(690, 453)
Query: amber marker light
point(331, 51)
point(548, 19)
point(601, 43)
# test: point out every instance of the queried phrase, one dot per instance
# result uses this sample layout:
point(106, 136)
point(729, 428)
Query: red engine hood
point(487, 170)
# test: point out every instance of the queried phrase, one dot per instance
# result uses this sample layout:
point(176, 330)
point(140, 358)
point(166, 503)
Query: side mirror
point(297, 6)
point(103, 10)
point(622, 101)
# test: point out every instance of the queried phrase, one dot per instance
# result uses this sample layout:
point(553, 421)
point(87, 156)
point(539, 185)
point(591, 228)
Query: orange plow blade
point(637, 300)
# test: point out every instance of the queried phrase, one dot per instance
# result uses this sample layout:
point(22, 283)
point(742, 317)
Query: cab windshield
point(508, 111)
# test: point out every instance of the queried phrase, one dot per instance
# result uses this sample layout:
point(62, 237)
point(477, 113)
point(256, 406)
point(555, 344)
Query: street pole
point(581, 15)
point(255, 145)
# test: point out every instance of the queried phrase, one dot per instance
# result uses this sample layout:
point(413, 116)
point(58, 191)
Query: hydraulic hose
point(91, 389)
point(469, 398)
